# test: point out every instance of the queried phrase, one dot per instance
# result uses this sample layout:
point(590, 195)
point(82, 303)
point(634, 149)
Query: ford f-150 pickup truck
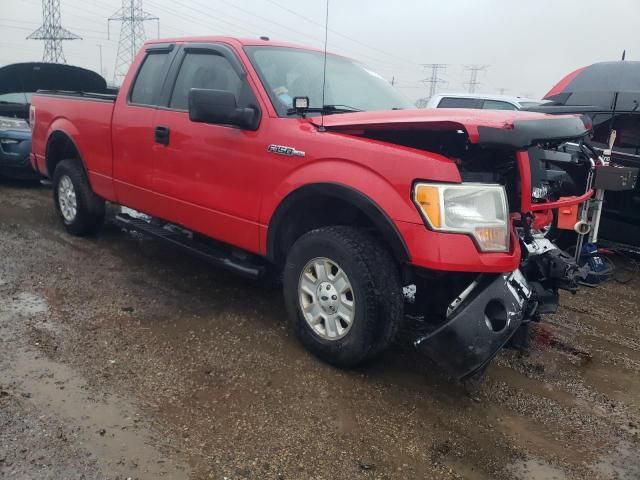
point(372, 212)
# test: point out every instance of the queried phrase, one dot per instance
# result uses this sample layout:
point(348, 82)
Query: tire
point(81, 211)
point(373, 289)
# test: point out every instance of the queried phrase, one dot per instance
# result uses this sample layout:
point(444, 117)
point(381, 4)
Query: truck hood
point(491, 127)
point(33, 76)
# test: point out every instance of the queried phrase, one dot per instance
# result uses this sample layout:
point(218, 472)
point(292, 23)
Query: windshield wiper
point(342, 108)
point(325, 110)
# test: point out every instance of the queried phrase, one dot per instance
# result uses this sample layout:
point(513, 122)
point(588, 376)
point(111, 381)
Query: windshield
point(22, 97)
point(292, 72)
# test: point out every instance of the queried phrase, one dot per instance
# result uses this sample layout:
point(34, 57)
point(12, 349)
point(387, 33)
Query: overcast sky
point(528, 45)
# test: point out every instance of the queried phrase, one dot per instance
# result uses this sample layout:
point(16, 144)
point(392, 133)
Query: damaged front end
point(486, 315)
point(463, 334)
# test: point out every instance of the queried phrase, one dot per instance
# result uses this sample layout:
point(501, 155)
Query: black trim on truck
point(526, 133)
point(377, 216)
point(88, 96)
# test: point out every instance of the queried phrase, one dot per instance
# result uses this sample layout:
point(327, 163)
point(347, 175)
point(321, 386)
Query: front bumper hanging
point(479, 323)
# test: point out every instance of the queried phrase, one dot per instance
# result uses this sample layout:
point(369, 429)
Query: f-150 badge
point(284, 150)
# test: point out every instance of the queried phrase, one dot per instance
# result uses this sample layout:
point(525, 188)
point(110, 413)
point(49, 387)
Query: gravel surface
point(121, 357)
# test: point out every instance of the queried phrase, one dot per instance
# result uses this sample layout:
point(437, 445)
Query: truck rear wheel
point(81, 210)
point(343, 294)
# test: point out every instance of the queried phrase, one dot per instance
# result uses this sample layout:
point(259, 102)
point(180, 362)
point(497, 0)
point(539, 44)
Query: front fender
point(394, 200)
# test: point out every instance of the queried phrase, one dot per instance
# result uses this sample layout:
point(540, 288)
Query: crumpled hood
point(34, 76)
point(495, 127)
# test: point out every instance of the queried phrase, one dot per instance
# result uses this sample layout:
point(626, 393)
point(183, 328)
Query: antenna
point(324, 68)
point(612, 131)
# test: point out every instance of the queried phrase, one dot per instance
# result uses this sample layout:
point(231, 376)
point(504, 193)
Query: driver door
point(208, 175)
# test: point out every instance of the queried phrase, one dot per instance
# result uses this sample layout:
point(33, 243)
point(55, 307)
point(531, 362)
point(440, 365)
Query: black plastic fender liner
point(475, 332)
point(351, 196)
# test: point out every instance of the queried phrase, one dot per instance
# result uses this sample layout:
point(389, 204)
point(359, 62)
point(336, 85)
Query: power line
point(473, 70)
point(355, 40)
point(24, 22)
point(434, 80)
point(132, 35)
point(52, 32)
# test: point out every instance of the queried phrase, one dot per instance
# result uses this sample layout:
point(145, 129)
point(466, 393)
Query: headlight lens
point(477, 210)
point(9, 122)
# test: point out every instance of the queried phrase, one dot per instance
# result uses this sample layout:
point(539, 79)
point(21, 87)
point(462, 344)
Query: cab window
point(456, 102)
point(204, 70)
point(148, 82)
point(497, 105)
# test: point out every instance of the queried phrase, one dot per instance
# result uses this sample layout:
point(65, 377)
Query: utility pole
point(473, 76)
point(101, 65)
point(52, 33)
point(502, 90)
point(132, 35)
point(434, 79)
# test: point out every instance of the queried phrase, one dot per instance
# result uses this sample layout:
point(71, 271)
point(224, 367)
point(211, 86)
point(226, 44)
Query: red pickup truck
point(371, 211)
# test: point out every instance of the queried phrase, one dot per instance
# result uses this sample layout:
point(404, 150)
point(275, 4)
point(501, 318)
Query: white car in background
point(481, 101)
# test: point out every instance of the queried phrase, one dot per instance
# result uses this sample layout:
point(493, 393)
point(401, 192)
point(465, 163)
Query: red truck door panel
point(207, 174)
point(132, 133)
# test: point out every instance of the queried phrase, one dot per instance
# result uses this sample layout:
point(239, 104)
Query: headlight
point(473, 209)
point(9, 122)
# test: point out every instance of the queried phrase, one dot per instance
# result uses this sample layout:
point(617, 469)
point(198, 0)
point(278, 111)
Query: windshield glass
point(292, 72)
point(21, 97)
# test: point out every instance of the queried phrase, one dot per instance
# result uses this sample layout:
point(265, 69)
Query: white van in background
point(481, 101)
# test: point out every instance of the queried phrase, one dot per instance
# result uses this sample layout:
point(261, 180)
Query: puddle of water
point(535, 469)
point(106, 426)
point(27, 304)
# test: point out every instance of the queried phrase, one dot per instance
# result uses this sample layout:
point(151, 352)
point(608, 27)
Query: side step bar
point(216, 255)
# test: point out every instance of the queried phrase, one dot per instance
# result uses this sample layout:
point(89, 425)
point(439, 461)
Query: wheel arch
point(285, 228)
point(60, 146)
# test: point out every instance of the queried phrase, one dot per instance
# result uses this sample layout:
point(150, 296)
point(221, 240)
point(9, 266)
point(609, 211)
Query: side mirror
point(220, 107)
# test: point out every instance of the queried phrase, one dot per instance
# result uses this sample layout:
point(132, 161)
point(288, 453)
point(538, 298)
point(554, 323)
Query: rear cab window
point(149, 79)
point(459, 102)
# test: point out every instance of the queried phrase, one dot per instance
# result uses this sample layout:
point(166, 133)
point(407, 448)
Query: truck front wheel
point(81, 210)
point(343, 294)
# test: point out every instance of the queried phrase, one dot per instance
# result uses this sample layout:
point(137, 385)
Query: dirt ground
point(121, 357)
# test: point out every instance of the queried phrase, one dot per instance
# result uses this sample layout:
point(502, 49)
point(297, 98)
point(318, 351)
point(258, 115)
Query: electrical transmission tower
point(52, 33)
point(434, 80)
point(473, 76)
point(132, 35)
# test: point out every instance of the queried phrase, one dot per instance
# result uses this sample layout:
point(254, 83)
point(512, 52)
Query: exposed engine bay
point(486, 311)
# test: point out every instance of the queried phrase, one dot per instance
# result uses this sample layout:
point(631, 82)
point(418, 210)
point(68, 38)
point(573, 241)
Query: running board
point(215, 255)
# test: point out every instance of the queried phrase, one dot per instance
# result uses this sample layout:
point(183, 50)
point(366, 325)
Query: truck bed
point(86, 118)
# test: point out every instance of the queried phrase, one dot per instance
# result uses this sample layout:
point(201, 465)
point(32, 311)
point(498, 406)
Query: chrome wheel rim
point(67, 199)
point(327, 299)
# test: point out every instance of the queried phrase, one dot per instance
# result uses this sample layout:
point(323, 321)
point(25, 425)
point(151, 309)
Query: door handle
point(161, 135)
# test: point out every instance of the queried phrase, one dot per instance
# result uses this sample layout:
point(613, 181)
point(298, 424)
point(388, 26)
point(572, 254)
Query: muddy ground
point(121, 357)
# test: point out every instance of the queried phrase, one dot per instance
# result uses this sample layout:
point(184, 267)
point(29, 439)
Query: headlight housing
point(7, 123)
point(478, 210)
